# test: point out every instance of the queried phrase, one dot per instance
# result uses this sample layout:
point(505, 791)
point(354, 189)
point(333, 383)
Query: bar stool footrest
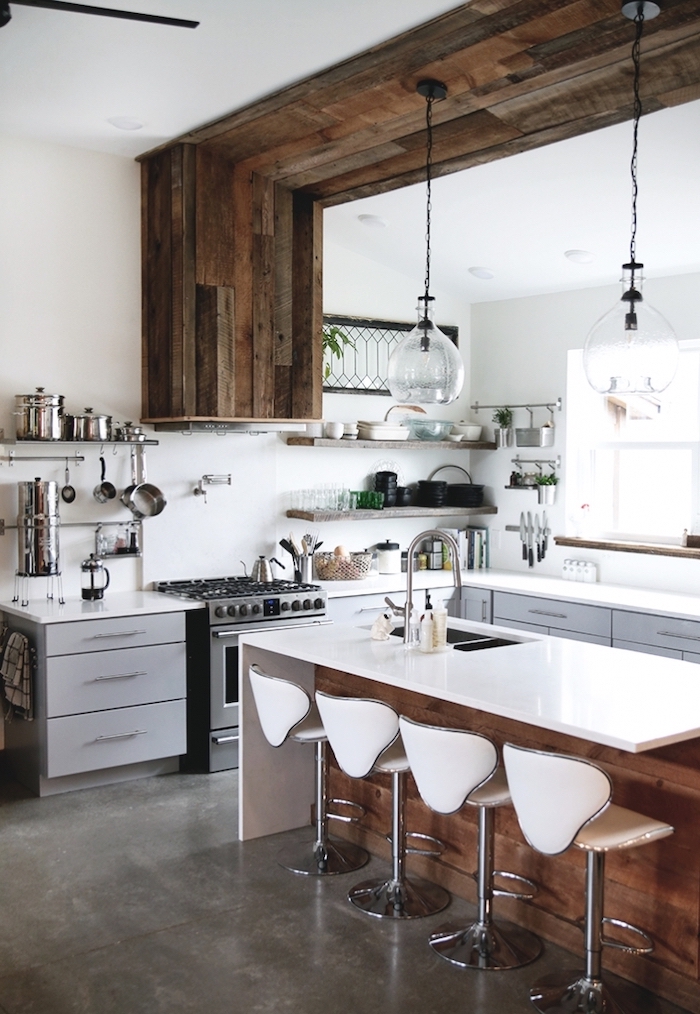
point(531, 888)
point(647, 948)
point(434, 853)
point(354, 817)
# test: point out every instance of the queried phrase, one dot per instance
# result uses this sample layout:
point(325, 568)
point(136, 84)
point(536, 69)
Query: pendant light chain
point(428, 191)
point(639, 25)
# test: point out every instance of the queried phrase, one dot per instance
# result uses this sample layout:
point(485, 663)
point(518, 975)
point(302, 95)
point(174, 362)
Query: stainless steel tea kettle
point(262, 569)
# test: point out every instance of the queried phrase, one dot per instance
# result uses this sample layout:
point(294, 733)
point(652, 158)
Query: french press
point(94, 578)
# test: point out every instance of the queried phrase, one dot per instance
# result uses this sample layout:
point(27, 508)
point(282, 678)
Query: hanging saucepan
point(104, 491)
point(142, 498)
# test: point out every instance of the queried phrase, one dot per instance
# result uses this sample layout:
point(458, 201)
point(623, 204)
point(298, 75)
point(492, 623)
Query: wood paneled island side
point(637, 716)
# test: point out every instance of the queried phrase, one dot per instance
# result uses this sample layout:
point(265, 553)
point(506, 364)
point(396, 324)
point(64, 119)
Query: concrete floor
point(138, 899)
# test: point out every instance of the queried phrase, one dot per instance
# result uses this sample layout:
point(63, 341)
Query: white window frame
point(581, 465)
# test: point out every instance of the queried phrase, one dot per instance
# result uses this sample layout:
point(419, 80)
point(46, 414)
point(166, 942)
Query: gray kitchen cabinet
point(574, 620)
point(649, 631)
point(647, 649)
point(109, 701)
point(472, 604)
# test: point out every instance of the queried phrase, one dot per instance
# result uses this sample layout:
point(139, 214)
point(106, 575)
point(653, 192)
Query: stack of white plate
point(381, 431)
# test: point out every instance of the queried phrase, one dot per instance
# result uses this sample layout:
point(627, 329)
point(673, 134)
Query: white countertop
point(613, 596)
point(117, 604)
point(618, 698)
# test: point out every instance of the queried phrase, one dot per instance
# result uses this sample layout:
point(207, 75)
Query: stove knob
point(307, 603)
point(256, 607)
point(243, 610)
point(285, 606)
point(231, 610)
point(220, 611)
point(296, 605)
point(318, 603)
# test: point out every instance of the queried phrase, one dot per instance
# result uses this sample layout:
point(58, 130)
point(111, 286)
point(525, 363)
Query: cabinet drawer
point(647, 649)
point(552, 613)
point(534, 628)
point(111, 738)
point(664, 631)
point(97, 681)
point(107, 633)
point(576, 635)
point(359, 609)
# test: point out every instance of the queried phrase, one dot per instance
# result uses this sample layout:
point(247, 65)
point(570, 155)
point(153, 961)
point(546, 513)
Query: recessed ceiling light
point(580, 256)
point(125, 123)
point(481, 272)
point(373, 221)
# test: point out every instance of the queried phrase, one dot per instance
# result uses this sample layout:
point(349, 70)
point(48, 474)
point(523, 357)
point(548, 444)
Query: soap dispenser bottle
point(426, 626)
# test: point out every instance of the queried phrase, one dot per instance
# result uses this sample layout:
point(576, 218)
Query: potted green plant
point(335, 342)
point(546, 488)
point(503, 430)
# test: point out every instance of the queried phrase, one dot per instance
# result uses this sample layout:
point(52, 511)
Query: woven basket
point(342, 568)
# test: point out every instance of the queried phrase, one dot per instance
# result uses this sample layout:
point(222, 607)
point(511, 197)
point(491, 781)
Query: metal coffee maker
point(94, 578)
point(37, 527)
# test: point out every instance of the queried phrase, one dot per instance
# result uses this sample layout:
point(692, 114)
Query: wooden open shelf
point(391, 512)
point(395, 445)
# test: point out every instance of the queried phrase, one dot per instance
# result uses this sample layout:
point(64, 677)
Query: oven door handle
point(260, 629)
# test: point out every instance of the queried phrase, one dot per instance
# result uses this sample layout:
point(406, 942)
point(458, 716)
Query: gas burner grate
point(207, 589)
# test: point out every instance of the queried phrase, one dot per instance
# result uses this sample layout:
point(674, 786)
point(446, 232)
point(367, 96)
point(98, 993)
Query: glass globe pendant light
point(632, 348)
point(425, 367)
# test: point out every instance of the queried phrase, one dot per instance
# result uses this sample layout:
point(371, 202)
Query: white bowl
point(469, 431)
point(454, 438)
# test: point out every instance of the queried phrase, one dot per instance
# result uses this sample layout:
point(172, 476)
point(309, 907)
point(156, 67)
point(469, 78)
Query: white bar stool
point(364, 736)
point(286, 712)
point(562, 801)
point(452, 767)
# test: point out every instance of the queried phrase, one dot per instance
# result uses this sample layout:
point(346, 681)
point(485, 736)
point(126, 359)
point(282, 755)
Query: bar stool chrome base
point(324, 859)
point(411, 898)
point(491, 945)
point(572, 993)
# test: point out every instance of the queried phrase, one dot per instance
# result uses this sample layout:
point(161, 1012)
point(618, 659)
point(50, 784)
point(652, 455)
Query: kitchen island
point(637, 716)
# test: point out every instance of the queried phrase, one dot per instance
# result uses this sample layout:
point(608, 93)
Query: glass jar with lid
point(388, 557)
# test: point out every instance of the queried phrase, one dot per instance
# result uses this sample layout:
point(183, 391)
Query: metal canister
point(37, 528)
point(39, 416)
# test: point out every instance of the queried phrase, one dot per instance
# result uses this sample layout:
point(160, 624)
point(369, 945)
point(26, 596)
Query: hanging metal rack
point(530, 405)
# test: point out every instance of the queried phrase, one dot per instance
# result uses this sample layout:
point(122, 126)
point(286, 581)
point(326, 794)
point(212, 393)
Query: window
point(633, 461)
point(362, 367)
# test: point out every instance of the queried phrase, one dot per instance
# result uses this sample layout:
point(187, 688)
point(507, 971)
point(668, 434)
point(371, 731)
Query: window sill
point(650, 548)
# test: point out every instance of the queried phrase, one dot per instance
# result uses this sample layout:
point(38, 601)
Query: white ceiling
point(63, 76)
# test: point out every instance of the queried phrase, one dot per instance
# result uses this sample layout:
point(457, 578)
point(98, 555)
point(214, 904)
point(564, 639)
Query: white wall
point(519, 351)
point(70, 321)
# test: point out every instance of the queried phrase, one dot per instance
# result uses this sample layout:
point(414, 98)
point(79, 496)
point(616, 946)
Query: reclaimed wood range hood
point(233, 211)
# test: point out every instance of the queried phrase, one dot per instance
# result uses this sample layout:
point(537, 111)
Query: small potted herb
point(503, 430)
point(546, 488)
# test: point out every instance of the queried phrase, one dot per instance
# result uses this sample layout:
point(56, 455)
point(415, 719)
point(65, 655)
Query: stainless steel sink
point(485, 642)
point(454, 636)
point(463, 640)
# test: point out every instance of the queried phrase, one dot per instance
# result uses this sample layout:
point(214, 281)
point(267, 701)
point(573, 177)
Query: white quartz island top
point(135, 603)
point(623, 699)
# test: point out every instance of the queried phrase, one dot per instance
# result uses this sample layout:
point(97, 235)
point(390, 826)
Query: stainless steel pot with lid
point(39, 415)
point(92, 426)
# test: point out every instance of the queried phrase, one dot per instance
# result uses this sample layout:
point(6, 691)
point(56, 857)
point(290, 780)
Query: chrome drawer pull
point(121, 735)
point(119, 633)
point(217, 740)
point(370, 609)
point(543, 612)
point(120, 676)
point(684, 637)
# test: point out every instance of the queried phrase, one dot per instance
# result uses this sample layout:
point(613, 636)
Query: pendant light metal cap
point(650, 10)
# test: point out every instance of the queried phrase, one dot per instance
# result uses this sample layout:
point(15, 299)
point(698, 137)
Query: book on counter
point(474, 548)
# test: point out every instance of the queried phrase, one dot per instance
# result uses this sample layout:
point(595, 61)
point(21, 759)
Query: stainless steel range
point(235, 606)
